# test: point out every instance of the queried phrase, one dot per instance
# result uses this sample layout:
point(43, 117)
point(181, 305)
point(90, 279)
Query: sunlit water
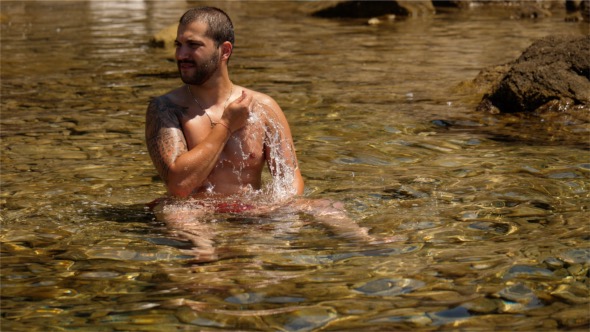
point(490, 217)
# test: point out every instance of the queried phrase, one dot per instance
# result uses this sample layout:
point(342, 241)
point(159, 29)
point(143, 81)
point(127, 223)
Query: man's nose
point(181, 53)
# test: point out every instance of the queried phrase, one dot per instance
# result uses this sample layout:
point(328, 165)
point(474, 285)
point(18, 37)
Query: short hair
point(219, 26)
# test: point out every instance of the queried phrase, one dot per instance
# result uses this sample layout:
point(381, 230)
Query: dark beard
point(204, 71)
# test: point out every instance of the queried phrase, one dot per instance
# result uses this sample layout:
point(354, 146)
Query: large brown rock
point(367, 9)
point(554, 72)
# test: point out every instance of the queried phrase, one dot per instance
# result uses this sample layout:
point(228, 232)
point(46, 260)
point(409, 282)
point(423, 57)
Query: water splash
point(264, 127)
point(280, 152)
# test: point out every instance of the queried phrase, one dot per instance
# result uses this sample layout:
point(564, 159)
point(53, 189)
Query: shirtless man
point(209, 139)
point(210, 136)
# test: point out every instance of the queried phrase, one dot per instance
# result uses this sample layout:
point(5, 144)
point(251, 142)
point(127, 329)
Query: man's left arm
point(279, 148)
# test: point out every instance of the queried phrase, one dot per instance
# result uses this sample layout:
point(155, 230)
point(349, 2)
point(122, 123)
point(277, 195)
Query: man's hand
point(235, 116)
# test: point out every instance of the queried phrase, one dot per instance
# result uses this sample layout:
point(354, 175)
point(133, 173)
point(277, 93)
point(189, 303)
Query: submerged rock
point(574, 294)
point(389, 287)
point(481, 305)
point(165, 37)
point(447, 316)
point(528, 273)
point(573, 317)
point(311, 318)
point(519, 293)
point(576, 256)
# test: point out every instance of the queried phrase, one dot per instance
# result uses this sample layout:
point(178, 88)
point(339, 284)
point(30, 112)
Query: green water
point(490, 213)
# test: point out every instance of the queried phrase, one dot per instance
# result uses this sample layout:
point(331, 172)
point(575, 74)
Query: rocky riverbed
point(490, 211)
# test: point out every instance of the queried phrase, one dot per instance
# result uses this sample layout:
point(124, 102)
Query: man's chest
point(245, 146)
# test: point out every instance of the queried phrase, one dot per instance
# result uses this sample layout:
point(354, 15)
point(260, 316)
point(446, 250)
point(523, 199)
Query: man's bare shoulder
point(163, 118)
point(166, 106)
point(262, 99)
point(176, 97)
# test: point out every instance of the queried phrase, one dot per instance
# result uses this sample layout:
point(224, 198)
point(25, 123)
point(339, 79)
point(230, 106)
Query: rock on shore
point(367, 9)
point(552, 74)
point(577, 9)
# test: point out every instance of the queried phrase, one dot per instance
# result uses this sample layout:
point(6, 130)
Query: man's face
point(197, 57)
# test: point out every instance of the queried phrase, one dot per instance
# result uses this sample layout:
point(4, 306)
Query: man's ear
point(226, 50)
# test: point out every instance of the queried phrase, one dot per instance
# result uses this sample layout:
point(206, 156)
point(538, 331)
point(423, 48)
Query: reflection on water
point(491, 218)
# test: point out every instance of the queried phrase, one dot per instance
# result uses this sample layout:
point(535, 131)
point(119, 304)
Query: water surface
point(490, 215)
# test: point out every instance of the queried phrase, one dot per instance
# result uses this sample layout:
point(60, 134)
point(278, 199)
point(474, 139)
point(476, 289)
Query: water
point(487, 215)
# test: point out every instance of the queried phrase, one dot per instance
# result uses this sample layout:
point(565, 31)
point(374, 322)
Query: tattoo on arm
point(163, 132)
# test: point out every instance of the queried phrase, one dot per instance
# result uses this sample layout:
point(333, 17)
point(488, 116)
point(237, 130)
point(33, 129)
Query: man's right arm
point(182, 170)
point(163, 134)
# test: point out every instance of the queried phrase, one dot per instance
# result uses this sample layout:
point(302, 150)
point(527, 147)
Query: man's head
point(204, 40)
point(220, 27)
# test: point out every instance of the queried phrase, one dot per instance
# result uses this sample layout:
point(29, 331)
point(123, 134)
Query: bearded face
point(197, 72)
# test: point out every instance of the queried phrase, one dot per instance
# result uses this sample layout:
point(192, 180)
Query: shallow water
point(490, 216)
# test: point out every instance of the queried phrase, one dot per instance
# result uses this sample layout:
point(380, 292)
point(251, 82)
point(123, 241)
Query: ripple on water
point(574, 317)
point(295, 318)
point(419, 225)
point(99, 275)
point(389, 287)
point(576, 256)
point(125, 251)
point(303, 260)
point(303, 319)
point(245, 298)
point(403, 319)
point(574, 294)
point(449, 315)
point(494, 227)
point(528, 272)
point(520, 293)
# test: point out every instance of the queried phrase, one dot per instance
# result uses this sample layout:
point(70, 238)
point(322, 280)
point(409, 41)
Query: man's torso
point(240, 164)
